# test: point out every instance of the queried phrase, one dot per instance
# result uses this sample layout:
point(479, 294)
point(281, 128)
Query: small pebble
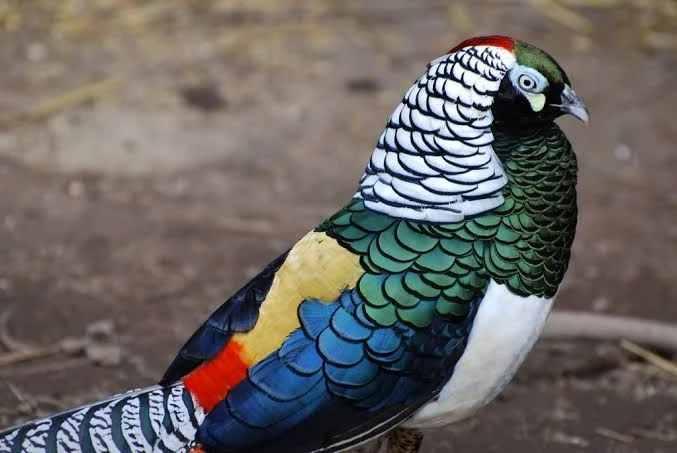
point(601, 304)
point(100, 330)
point(75, 189)
point(5, 285)
point(581, 43)
point(568, 439)
point(206, 97)
point(73, 346)
point(8, 142)
point(622, 152)
point(36, 52)
point(104, 355)
point(363, 85)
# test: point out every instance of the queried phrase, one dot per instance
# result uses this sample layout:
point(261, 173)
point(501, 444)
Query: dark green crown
point(528, 55)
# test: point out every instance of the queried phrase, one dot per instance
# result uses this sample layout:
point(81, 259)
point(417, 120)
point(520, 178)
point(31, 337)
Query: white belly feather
point(505, 329)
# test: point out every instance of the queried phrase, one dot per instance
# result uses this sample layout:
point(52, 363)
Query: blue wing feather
point(359, 375)
point(316, 316)
point(302, 357)
point(343, 323)
point(280, 381)
point(384, 342)
point(338, 375)
point(339, 351)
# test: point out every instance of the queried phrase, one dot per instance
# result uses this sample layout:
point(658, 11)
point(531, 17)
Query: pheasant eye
point(526, 82)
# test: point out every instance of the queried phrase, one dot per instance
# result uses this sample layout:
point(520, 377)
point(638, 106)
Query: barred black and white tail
point(155, 419)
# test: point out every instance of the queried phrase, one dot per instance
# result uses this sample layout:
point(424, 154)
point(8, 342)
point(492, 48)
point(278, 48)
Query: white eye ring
point(528, 80)
point(527, 83)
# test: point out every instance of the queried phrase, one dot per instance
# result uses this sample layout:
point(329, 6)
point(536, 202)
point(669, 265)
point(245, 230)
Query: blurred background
point(155, 154)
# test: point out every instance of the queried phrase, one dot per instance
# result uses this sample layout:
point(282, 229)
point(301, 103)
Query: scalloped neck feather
point(435, 162)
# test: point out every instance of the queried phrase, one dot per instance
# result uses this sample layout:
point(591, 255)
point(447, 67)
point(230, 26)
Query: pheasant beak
point(572, 105)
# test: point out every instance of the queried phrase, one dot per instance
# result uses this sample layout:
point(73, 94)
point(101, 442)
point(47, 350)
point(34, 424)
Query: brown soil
point(239, 125)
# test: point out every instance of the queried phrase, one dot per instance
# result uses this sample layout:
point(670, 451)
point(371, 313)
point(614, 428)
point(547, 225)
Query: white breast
point(505, 329)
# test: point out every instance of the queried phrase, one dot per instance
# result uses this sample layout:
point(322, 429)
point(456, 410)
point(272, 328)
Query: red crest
point(493, 40)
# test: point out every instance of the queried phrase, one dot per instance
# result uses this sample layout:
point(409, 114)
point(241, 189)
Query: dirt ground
point(230, 128)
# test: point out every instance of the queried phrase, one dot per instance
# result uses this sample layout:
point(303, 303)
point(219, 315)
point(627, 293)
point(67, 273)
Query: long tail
point(154, 419)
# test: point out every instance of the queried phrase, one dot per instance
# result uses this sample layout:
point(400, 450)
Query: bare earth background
point(224, 130)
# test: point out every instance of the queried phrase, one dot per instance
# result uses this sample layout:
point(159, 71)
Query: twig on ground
point(6, 339)
point(650, 371)
point(15, 357)
point(94, 345)
point(44, 367)
point(20, 397)
point(26, 404)
point(63, 102)
point(18, 350)
point(654, 359)
point(29, 404)
point(44, 400)
point(618, 437)
point(566, 325)
point(654, 435)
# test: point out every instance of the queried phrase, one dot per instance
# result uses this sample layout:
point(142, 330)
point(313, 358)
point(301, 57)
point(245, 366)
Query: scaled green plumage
point(415, 270)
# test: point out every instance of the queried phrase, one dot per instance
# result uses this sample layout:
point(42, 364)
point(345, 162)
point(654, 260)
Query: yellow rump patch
point(317, 267)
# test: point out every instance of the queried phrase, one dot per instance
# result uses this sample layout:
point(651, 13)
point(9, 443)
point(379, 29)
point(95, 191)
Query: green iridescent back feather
point(416, 270)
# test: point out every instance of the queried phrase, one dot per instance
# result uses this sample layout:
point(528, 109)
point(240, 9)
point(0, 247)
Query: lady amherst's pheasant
point(408, 309)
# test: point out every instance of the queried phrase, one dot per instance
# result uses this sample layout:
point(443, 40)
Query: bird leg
point(404, 440)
